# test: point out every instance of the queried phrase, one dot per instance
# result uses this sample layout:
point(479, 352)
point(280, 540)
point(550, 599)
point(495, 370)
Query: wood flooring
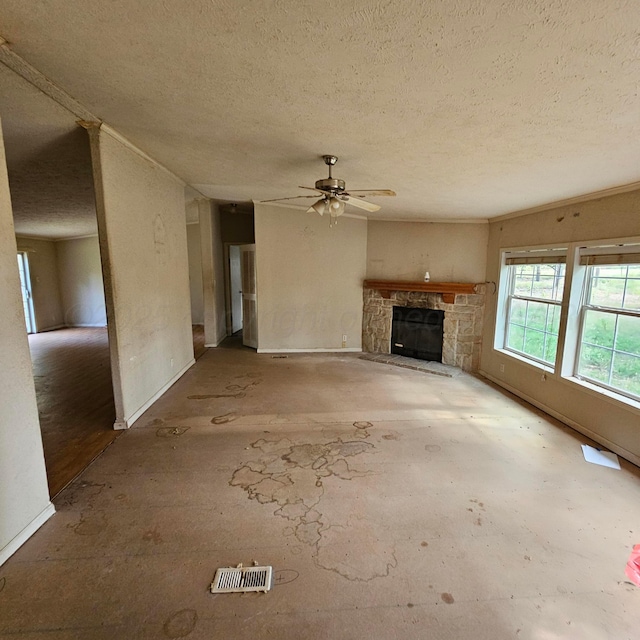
point(72, 375)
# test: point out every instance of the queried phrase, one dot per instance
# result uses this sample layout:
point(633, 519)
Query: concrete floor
point(391, 504)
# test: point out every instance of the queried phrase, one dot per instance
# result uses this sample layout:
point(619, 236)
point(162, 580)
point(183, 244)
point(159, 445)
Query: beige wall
point(608, 421)
point(43, 267)
point(405, 250)
point(141, 217)
point(212, 273)
point(24, 496)
point(309, 279)
point(81, 287)
point(195, 273)
point(218, 274)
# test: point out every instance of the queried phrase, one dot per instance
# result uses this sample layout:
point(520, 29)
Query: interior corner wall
point(212, 274)
point(45, 289)
point(195, 273)
point(606, 421)
point(143, 241)
point(218, 274)
point(81, 286)
point(450, 252)
point(24, 496)
point(309, 280)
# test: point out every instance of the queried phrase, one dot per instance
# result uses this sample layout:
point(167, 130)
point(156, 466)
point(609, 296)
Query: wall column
point(24, 495)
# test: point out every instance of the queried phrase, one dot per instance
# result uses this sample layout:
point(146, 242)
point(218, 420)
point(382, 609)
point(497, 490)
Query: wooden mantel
point(447, 289)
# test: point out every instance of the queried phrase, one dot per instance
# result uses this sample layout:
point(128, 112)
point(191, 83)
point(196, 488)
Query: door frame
point(227, 285)
point(30, 317)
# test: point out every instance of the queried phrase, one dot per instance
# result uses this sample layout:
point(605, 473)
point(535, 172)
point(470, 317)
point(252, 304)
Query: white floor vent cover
point(241, 579)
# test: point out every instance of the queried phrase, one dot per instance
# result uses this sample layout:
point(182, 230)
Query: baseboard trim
point(56, 326)
point(345, 350)
point(128, 422)
point(8, 550)
point(585, 431)
point(215, 344)
point(86, 326)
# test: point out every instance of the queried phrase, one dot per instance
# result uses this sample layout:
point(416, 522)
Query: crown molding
point(567, 202)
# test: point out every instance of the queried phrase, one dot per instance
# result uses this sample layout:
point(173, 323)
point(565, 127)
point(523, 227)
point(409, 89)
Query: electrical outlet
point(344, 340)
point(172, 363)
point(501, 368)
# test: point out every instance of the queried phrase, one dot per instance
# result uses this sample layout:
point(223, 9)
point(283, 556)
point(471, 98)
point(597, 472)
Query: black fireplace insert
point(417, 333)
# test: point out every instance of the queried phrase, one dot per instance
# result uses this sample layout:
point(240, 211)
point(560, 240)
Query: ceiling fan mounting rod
point(330, 185)
point(330, 161)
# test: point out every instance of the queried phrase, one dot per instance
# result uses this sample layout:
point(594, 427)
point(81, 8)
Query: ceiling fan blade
point(291, 198)
point(361, 204)
point(311, 189)
point(371, 192)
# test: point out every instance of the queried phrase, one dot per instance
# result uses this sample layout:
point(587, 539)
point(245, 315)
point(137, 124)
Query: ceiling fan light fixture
point(319, 207)
point(336, 207)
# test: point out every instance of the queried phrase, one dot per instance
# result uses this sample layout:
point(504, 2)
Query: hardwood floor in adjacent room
point(72, 374)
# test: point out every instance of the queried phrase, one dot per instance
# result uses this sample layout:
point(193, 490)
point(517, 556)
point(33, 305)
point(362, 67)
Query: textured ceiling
point(48, 161)
point(468, 108)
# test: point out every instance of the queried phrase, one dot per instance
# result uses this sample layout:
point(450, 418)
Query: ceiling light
point(319, 207)
point(336, 207)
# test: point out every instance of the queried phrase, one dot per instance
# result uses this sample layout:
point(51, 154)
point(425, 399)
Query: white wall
point(81, 287)
point(608, 421)
point(405, 250)
point(195, 273)
point(309, 279)
point(141, 218)
point(43, 268)
point(24, 496)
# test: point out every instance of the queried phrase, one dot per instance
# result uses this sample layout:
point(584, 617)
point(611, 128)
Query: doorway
point(235, 277)
point(27, 296)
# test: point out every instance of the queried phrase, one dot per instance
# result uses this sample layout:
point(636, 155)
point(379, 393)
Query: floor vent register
point(241, 579)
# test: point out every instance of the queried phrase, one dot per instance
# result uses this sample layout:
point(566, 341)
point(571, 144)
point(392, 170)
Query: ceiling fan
point(334, 196)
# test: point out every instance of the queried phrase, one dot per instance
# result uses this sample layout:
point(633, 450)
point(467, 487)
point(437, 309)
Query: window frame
point(549, 254)
point(586, 305)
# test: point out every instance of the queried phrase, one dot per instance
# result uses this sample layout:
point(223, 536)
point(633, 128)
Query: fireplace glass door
point(417, 333)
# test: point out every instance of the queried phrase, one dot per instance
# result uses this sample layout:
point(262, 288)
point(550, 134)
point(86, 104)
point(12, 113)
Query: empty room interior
point(341, 297)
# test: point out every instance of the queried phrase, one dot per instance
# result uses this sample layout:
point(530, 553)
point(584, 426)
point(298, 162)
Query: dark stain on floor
point(224, 418)
point(293, 476)
point(181, 623)
point(171, 432)
point(447, 597)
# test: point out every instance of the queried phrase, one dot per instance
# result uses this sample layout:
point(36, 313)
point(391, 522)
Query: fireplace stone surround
point(463, 319)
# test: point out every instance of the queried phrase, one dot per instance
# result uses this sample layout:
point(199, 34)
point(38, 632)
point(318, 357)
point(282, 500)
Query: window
point(535, 284)
point(609, 349)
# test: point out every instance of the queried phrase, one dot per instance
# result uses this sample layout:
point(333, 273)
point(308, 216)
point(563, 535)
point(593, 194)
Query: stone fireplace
point(463, 317)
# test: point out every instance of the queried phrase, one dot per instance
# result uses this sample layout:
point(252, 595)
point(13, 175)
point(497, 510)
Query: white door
point(25, 285)
point(249, 299)
point(235, 279)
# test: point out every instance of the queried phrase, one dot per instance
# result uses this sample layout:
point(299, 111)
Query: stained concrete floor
point(391, 504)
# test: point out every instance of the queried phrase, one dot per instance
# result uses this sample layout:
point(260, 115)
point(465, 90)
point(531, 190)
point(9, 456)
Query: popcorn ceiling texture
point(468, 109)
point(48, 161)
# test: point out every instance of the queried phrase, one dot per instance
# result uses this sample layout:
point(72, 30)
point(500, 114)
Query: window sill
point(605, 394)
